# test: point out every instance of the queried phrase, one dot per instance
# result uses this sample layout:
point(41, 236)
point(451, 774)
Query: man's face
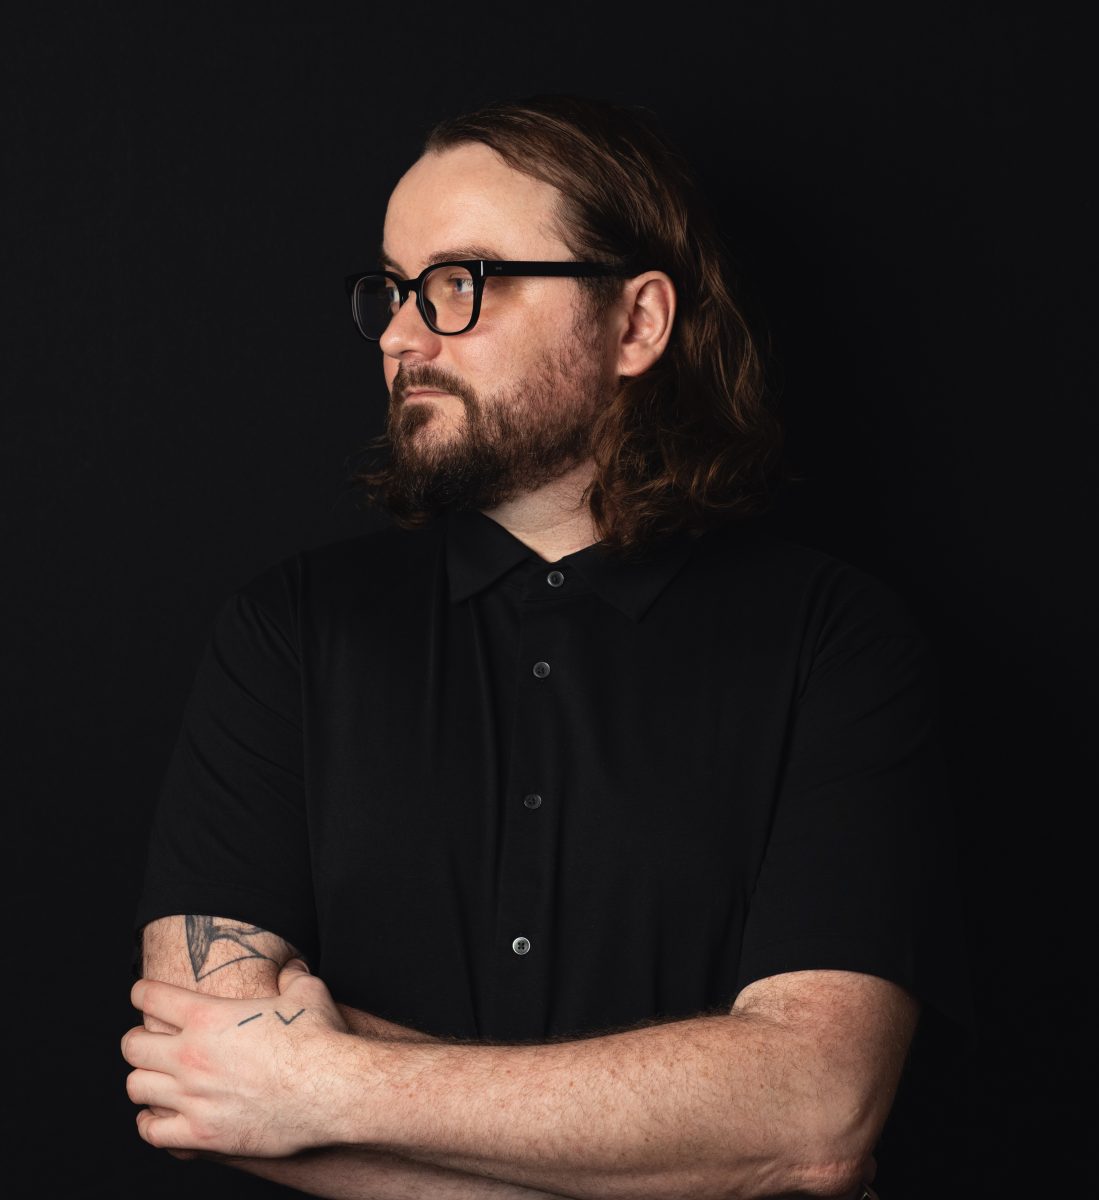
point(515, 397)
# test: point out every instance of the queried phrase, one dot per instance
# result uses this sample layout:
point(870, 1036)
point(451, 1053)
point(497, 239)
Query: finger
point(166, 1002)
point(122, 1045)
point(153, 1051)
point(293, 971)
point(153, 1089)
point(304, 989)
point(183, 1155)
point(166, 1133)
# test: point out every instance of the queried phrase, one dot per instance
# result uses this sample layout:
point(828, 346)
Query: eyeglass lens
point(448, 298)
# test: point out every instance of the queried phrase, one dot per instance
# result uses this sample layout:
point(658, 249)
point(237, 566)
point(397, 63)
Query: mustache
point(428, 377)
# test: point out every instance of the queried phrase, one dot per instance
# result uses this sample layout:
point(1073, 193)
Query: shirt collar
point(480, 550)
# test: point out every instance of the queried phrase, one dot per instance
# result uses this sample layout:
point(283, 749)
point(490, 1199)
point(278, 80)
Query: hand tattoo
point(284, 1020)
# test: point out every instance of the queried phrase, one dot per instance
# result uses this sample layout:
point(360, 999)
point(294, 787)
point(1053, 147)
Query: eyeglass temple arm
point(571, 269)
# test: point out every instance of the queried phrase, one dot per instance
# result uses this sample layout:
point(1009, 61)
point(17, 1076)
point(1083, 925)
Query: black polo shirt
point(495, 797)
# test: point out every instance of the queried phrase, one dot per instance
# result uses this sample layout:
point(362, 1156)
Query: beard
point(511, 441)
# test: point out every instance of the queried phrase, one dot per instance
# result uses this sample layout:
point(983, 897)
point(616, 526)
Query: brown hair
point(694, 441)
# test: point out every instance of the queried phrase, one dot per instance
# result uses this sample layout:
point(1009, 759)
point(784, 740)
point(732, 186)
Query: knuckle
point(192, 1058)
point(204, 1131)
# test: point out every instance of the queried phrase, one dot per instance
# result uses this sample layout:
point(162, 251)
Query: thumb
point(291, 972)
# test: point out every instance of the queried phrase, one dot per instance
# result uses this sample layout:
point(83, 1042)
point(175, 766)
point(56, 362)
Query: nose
point(407, 331)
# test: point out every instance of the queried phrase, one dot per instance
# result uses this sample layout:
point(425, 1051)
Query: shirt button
point(520, 945)
point(541, 669)
point(555, 578)
point(533, 800)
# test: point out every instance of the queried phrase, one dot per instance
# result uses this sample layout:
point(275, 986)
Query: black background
point(903, 190)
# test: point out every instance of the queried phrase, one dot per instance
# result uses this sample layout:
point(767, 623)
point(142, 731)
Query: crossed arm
point(227, 958)
point(785, 1095)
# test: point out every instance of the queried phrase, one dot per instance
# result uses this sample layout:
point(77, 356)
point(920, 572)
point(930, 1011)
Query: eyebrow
point(458, 252)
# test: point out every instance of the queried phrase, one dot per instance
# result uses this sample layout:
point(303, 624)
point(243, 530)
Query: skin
point(246, 1057)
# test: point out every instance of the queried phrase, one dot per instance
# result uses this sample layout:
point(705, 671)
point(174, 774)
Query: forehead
point(467, 198)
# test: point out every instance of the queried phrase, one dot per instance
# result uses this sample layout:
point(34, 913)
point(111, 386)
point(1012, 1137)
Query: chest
point(562, 740)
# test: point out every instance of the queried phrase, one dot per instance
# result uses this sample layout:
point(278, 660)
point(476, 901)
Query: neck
point(551, 520)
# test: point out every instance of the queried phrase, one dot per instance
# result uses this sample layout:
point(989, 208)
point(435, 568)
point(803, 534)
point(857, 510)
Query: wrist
point(359, 1075)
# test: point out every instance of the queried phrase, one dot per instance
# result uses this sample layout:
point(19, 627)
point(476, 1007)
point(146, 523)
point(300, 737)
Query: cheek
point(502, 349)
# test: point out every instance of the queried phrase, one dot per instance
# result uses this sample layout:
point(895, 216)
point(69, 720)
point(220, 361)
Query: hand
point(242, 1077)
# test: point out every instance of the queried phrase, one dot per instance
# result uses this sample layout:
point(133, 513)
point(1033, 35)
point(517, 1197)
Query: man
point(612, 824)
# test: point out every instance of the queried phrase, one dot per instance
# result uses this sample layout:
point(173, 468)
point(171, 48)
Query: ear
point(646, 314)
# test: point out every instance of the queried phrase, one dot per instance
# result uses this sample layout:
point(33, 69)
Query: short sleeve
point(860, 869)
point(230, 833)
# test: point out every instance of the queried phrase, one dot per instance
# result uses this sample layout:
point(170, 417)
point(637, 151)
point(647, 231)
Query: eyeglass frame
point(481, 269)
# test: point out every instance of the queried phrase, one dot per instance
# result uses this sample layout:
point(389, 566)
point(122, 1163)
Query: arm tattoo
point(203, 932)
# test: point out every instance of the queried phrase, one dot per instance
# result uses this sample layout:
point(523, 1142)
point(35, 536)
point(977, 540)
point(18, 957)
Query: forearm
point(353, 1174)
point(349, 1173)
point(711, 1107)
point(365, 1024)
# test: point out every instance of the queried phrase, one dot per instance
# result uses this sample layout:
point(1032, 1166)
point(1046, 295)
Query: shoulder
point(322, 580)
point(820, 592)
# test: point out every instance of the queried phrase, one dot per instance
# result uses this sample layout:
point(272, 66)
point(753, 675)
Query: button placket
point(527, 879)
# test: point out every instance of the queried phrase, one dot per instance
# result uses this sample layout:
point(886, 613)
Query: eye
point(461, 282)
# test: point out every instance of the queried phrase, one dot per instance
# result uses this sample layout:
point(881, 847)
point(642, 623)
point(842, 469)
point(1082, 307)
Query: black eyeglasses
point(449, 294)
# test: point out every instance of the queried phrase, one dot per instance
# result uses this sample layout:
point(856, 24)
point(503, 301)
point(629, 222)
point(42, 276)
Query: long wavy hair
point(695, 441)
